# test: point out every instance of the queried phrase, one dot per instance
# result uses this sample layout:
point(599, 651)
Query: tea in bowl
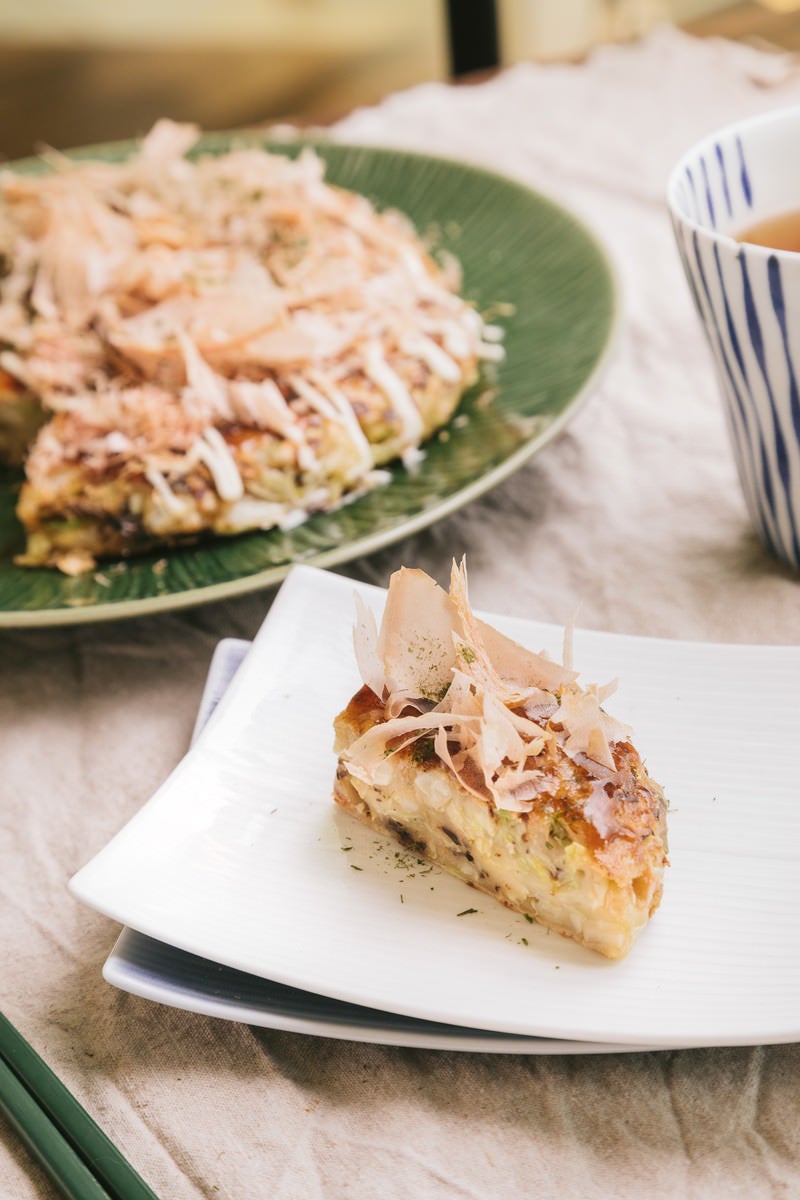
point(734, 199)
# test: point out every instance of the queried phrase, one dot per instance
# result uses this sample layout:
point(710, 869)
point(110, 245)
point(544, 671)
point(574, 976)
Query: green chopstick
point(58, 1130)
point(50, 1149)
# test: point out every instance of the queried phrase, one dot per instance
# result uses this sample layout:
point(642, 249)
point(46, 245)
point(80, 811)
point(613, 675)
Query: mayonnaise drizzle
point(389, 382)
point(165, 493)
point(426, 349)
point(213, 450)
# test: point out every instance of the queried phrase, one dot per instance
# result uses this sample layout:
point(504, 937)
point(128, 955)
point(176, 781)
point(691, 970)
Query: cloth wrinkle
point(666, 1070)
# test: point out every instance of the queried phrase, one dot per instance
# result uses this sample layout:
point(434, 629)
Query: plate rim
point(66, 615)
point(121, 972)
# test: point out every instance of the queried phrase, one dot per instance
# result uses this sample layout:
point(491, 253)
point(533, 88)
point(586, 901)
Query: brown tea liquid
point(777, 233)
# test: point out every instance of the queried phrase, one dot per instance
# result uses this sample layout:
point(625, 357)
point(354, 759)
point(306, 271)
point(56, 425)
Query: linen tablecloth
point(635, 513)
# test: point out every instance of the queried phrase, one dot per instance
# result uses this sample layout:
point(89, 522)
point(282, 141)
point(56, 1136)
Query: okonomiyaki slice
point(492, 762)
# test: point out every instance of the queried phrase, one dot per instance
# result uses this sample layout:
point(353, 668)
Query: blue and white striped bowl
point(748, 298)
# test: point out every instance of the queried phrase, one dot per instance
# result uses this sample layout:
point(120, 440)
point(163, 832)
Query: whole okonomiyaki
point(212, 344)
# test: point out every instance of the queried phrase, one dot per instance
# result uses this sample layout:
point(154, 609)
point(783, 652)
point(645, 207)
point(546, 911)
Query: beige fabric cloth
point(635, 513)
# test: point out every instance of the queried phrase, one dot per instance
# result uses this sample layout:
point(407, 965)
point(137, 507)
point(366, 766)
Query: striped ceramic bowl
point(748, 298)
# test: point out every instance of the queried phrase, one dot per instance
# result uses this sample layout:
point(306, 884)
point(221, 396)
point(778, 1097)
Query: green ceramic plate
point(516, 248)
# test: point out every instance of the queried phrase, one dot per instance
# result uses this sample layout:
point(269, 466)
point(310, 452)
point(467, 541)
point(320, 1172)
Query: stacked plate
point(248, 896)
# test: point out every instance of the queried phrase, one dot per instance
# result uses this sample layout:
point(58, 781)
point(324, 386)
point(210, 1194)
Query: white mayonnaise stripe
point(389, 382)
point(213, 450)
point(434, 357)
point(159, 484)
point(345, 413)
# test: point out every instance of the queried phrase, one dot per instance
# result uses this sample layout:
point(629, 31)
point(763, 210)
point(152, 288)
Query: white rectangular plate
point(155, 971)
point(241, 857)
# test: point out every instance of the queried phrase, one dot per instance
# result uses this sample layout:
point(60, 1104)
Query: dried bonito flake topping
point(215, 342)
point(492, 711)
point(206, 277)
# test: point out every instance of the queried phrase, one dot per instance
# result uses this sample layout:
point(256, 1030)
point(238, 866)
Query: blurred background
point(80, 71)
